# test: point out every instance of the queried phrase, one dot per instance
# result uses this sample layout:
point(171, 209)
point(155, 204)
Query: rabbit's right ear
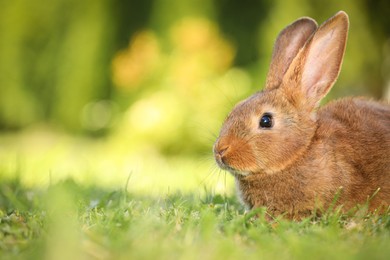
point(315, 69)
point(290, 40)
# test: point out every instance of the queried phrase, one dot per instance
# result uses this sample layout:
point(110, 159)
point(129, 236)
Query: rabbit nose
point(220, 151)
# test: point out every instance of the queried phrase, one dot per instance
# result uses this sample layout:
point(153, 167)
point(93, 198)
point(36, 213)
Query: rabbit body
point(299, 163)
point(343, 157)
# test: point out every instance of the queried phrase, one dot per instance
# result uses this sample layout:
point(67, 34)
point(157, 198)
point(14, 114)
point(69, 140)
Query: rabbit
point(292, 156)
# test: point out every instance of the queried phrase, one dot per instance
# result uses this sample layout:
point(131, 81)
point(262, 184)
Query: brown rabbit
point(290, 157)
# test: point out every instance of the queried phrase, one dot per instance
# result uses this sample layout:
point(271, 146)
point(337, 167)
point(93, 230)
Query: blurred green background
point(105, 89)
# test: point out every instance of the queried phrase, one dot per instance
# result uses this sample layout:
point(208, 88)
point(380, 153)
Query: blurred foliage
point(161, 75)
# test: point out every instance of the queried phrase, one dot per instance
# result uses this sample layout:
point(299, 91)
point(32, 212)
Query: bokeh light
point(102, 90)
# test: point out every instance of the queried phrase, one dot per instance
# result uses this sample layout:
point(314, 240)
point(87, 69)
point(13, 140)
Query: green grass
point(75, 221)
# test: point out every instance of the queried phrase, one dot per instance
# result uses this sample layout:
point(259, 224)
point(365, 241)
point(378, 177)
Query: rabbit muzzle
point(226, 156)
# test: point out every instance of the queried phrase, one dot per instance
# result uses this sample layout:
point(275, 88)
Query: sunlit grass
point(72, 221)
point(40, 157)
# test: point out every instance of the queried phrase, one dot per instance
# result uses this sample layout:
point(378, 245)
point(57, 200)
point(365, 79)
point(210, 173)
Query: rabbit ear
point(316, 68)
point(290, 40)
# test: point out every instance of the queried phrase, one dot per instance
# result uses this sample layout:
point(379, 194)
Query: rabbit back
point(358, 130)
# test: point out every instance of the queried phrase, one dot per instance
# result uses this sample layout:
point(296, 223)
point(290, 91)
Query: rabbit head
point(273, 128)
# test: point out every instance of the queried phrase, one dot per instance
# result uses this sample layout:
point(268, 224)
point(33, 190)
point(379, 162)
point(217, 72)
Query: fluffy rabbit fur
point(292, 158)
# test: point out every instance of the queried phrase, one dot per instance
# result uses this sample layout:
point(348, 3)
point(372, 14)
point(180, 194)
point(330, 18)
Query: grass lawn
point(162, 209)
point(71, 221)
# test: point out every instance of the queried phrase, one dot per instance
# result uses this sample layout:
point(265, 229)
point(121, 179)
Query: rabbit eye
point(266, 121)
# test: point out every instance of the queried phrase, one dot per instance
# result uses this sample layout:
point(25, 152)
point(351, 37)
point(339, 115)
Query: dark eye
point(266, 121)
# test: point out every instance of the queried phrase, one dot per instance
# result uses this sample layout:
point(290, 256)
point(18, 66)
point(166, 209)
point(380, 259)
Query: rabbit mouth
point(224, 166)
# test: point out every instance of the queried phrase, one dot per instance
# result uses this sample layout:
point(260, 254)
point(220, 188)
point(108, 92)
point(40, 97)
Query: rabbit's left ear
point(290, 40)
point(316, 68)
